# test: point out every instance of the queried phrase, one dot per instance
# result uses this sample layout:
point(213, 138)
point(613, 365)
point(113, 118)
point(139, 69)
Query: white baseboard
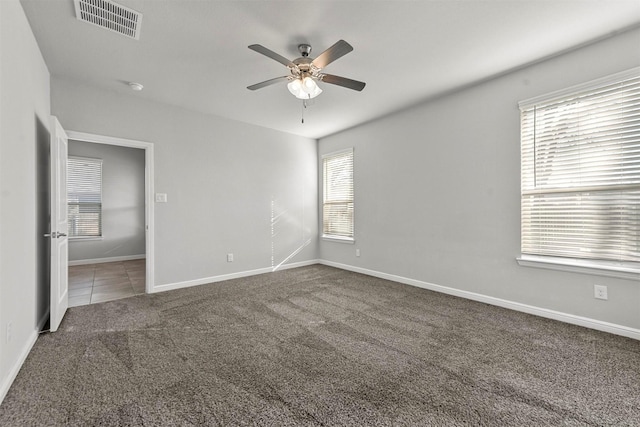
point(103, 260)
point(13, 373)
point(525, 308)
point(223, 277)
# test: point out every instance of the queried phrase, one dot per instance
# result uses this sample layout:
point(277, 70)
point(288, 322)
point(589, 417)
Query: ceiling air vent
point(110, 15)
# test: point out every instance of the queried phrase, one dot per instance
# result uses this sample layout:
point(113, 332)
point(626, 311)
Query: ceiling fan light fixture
point(304, 72)
point(305, 88)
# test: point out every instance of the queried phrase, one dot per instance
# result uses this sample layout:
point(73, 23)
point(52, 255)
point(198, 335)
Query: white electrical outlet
point(357, 252)
point(229, 257)
point(161, 197)
point(600, 292)
point(9, 332)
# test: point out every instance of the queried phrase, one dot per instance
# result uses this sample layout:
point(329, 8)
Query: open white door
point(59, 222)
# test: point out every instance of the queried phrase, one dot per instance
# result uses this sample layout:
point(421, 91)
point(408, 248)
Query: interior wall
point(123, 203)
point(437, 191)
point(231, 187)
point(24, 144)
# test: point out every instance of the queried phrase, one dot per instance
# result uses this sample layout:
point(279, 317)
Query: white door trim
point(148, 190)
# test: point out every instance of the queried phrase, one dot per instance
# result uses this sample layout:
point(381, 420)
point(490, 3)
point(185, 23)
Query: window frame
point(610, 268)
point(100, 212)
point(337, 237)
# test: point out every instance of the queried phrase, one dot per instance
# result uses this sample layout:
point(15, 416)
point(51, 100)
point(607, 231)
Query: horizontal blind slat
point(338, 210)
point(580, 171)
point(84, 193)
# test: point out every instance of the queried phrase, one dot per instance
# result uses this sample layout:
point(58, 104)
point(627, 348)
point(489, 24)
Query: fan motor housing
point(303, 62)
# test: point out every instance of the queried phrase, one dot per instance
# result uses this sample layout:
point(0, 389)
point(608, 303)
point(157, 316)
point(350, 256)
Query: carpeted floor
point(320, 346)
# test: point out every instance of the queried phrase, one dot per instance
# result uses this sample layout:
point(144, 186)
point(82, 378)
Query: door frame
point(148, 191)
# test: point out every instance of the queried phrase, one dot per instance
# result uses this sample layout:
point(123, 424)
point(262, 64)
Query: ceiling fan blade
point(271, 54)
point(338, 50)
point(343, 81)
point(267, 83)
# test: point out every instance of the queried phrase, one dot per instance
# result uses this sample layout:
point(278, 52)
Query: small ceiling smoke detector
point(136, 86)
point(110, 15)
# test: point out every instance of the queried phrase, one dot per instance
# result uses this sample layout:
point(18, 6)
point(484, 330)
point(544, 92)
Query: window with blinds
point(580, 155)
point(337, 206)
point(84, 193)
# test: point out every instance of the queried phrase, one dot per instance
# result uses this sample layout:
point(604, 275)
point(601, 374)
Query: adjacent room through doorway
point(106, 193)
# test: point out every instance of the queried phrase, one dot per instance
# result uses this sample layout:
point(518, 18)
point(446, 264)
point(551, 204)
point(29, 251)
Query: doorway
point(106, 226)
point(98, 278)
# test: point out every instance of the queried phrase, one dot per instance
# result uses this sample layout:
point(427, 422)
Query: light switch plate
point(161, 197)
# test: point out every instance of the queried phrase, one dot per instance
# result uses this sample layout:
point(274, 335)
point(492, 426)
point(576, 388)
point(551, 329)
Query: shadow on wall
point(43, 219)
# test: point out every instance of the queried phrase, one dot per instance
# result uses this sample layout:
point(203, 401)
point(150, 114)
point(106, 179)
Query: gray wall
point(123, 203)
point(225, 180)
point(24, 145)
point(437, 191)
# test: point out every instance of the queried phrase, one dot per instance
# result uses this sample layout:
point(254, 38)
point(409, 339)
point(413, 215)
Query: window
point(84, 192)
point(337, 206)
point(580, 159)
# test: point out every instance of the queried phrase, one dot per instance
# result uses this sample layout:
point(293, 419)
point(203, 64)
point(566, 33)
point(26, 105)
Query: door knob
point(55, 235)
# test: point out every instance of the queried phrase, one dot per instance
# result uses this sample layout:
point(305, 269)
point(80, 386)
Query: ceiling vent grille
point(110, 15)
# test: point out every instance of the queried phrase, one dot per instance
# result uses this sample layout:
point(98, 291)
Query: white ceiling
point(193, 53)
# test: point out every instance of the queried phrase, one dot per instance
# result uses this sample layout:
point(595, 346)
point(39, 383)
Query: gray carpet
point(317, 346)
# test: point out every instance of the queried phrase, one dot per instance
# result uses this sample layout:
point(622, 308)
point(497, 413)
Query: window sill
point(620, 270)
point(84, 239)
point(339, 239)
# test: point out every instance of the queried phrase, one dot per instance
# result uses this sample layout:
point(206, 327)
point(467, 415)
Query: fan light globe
point(308, 85)
point(295, 86)
point(304, 89)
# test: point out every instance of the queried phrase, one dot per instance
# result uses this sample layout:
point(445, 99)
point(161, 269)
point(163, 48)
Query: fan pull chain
point(304, 106)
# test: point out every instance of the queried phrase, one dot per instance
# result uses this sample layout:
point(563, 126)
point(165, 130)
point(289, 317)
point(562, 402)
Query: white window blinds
point(581, 172)
point(337, 207)
point(84, 192)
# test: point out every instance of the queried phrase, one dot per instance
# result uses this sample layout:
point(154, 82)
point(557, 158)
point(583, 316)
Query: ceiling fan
point(304, 72)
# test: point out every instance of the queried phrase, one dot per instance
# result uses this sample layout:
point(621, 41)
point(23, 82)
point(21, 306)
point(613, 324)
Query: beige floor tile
point(110, 270)
point(99, 281)
point(111, 286)
point(79, 300)
point(80, 285)
point(112, 291)
point(75, 269)
point(95, 283)
point(138, 263)
point(109, 265)
point(82, 276)
point(137, 277)
point(139, 289)
point(101, 274)
point(79, 292)
point(112, 278)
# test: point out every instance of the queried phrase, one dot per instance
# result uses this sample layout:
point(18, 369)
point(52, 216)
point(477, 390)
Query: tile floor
point(94, 283)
